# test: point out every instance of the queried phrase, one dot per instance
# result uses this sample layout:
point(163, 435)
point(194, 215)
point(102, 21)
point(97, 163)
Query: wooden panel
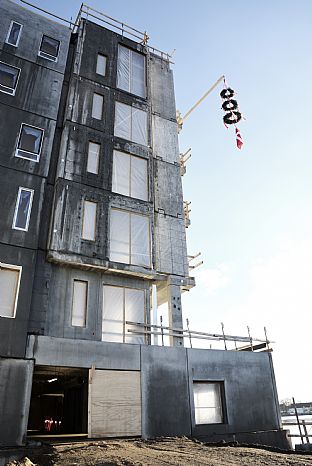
point(114, 403)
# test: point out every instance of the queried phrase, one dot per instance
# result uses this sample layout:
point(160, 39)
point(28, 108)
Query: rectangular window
point(10, 276)
point(93, 157)
point(23, 209)
point(29, 143)
point(89, 220)
point(119, 306)
point(97, 106)
point(131, 71)
point(14, 33)
point(130, 123)
point(208, 403)
point(129, 238)
point(49, 48)
point(130, 175)
point(101, 64)
point(9, 76)
point(80, 303)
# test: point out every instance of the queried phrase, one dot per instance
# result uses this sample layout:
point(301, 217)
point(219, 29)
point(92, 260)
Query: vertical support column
point(154, 338)
point(175, 309)
point(15, 393)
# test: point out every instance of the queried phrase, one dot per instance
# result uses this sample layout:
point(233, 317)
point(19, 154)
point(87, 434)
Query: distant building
point(92, 239)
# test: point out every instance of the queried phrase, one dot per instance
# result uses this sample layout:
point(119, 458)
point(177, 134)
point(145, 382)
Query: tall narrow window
point(129, 238)
point(101, 64)
point(29, 143)
point(10, 276)
point(89, 220)
point(130, 175)
point(23, 209)
point(208, 403)
point(119, 306)
point(97, 106)
point(49, 48)
point(93, 157)
point(130, 123)
point(80, 303)
point(14, 33)
point(131, 71)
point(8, 78)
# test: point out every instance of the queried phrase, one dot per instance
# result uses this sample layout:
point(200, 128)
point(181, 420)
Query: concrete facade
point(41, 342)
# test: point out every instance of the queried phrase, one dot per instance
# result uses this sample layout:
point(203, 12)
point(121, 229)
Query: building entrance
point(59, 402)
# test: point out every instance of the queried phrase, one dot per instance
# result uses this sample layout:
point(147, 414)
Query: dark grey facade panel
point(249, 389)
point(10, 181)
point(11, 120)
point(165, 392)
point(15, 391)
point(168, 188)
point(65, 352)
point(98, 39)
point(74, 156)
point(79, 105)
point(52, 299)
point(34, 27)
point(13, 331)
point(38, 89)
point(66, 227)
point(162, 88)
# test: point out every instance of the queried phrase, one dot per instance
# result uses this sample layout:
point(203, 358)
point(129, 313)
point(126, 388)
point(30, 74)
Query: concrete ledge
point(63, 352)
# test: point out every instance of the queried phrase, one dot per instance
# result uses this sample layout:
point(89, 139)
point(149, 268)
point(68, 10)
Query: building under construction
point(92, 242)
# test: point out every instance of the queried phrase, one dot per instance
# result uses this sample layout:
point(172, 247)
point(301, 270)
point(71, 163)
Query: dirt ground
point(176, 451)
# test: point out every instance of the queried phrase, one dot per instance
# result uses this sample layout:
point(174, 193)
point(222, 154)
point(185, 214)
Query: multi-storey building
point(92, 239)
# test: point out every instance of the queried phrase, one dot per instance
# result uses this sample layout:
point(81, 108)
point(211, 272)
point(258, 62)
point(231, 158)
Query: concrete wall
point(36, 103)
point(52, 300)
point(15, 391)
point(167, 376)
point(13, 331)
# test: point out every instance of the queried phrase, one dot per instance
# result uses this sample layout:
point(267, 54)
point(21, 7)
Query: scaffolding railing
point(125, 30)
point(86, 11)
point(251, 343)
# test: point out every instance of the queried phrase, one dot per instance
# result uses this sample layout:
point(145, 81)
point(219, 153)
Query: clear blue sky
point(251, 209)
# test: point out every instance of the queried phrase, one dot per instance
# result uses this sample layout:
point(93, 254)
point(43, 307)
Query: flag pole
point(202, 98)
point(180, 119)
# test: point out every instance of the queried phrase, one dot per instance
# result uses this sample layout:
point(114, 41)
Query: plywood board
point(114, 403)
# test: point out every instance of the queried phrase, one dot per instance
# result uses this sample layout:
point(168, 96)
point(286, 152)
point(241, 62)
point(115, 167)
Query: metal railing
point(251, 343)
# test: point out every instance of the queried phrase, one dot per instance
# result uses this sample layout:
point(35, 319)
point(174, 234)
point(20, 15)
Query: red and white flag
point(239, 139)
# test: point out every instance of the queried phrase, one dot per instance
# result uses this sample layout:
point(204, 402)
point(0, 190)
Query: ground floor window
point(10, 276)
point(119, 306)
point(208, 402)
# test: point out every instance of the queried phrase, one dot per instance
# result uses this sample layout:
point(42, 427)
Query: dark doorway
point(59, 401)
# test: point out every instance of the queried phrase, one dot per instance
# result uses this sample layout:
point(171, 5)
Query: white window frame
point(124, 317)
point(17, 268)
point(102, 106)
point(130, 245)
point(46, 55)
point(20, 189)
point(25, 151)
point(220, 385)
point(133, 109)
point(85, 304)
point(96, 67)
point(130, 83)
point(131, 157)
point(83, 219)
point(10, 91)
point(9, 32)
point(98, 157)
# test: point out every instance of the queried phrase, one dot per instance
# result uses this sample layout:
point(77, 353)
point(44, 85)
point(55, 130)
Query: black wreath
point(229, 105)
point(232, 118)
point(227, 93)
